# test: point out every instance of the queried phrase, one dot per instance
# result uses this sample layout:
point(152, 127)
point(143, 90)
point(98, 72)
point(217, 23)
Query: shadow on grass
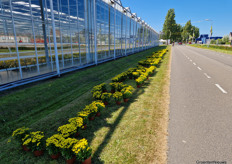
point(100, 123)
point(93, 127)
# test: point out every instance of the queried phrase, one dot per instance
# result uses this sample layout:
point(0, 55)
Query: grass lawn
point(131, 133)
point(213, 49)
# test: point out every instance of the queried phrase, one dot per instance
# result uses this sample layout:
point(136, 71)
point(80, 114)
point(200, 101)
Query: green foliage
point(127, 92)
point(169, 25)
point(226, 39)
point(213, 41)
point(119, 78)
point(117, 86)
point(82, 150)
point(135, 74)
point(106, 97)
point(53, 144)
point(130, 72)
point(97, 95)
point(220, 41)
point(190, 32)
point(117, 96)
point(34, 140)
point(141, 80)
point(20, 133)
point(101, 87)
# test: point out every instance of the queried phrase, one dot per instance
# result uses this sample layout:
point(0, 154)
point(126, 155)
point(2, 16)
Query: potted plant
point(135, 75)
point(92, 110)
point(106, 98)
point(19, 134)
point(100, 105)
point(82, 151)
point(113, 87)
point(126, 93)
point(117, 97)
point(120, 86)
point(130, 72)
point(67, 130)
point(97, 95)
point(78, 123)
point(139, 81)
point(66, 149)
point(35, 141)
point(103, 87)
point(84, 115)
point(53, 145)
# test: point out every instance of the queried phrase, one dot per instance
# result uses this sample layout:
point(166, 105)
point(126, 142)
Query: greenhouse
point(40, 39)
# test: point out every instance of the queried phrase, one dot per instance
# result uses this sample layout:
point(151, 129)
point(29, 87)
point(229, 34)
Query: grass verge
point(212, 49)
point(132, 133)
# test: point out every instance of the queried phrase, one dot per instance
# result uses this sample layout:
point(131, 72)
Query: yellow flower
point(80, 146)
point(77, 121)
point(67, 130)
point(20, 131)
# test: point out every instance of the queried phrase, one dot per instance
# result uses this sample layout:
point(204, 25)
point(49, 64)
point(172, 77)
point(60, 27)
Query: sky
point(154, 12)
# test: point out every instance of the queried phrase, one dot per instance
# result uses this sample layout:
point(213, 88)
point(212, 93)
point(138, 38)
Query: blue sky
point(154, 12)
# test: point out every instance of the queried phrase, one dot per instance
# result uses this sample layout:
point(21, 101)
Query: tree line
point(177, 33)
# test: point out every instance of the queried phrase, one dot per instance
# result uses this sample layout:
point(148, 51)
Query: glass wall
point(86, 32)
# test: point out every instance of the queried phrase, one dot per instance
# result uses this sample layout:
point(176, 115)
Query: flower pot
point(85, 126)
point(25, 148)
point(118, 102)
point(38, 153)
point(71, 161)
point(147, 78)
point(139, 86)
point(112, 91)
point(77, 134)
point(55, 156)
point(125, 100)
point(106, 103)
point(87, 161)
point(91, 118)
point(98, 114)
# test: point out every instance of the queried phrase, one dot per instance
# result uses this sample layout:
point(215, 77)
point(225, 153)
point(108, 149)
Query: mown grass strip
point(49, 121)
point(212, 48)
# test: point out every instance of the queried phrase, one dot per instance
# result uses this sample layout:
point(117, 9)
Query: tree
point(177, 34)
point(226, 38)
point(169, 25)
point(187, 31)
point(195, 32)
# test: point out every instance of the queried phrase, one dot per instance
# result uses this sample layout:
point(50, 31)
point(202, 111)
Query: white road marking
point(183, 141)
point(190, 60)
point(194, 63)
point(219, 87)
point(207, 75)
point(199, 68)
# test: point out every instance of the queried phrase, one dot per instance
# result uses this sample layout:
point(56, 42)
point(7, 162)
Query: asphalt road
point(200, 125)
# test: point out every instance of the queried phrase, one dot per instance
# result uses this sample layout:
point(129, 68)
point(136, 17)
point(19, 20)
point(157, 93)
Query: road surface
point(200, 125)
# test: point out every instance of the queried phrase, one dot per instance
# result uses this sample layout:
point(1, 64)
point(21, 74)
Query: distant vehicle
point(180, 43)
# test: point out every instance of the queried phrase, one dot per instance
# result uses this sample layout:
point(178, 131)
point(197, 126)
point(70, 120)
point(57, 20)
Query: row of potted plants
point(32, 61)
point(119, 91)
point(64, 142)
